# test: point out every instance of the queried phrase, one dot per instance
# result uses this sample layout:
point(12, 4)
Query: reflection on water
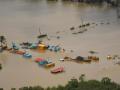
point(20, 21)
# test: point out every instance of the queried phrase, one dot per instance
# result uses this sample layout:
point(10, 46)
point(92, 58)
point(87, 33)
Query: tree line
point(79, 84)
point(112, 2)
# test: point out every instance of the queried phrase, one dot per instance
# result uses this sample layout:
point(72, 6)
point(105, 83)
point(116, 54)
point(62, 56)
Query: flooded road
point(20, 21)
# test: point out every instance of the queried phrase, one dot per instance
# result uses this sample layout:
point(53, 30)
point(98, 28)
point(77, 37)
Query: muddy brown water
point(20, 21)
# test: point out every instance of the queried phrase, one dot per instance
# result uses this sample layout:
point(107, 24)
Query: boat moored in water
point(27, 55)
point(57, 70)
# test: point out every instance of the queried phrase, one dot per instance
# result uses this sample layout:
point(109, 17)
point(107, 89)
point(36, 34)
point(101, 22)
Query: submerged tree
point(3, 42)
point(82, 78)
point(106, 80)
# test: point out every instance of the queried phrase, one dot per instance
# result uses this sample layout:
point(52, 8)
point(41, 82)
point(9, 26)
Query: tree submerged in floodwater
point(3, 43)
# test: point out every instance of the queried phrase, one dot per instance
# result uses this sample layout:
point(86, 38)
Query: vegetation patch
point(81, 84)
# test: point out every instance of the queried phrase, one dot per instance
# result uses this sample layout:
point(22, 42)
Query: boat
point(109, 57)
point(42, 63)
point(92, 52)
point(20, 52)
point(57, 70)
point(25, 45)
point(50, 47)
point(87, 60)
point(33, 46)
point(41, 46)
point(62, 59)
point(54, 48)
point(27, 55)
point(49, 65)
point(57, 48)
point(49, 60)
point(82, 59)
point(93, 57)
point(14, 46)
point(39, 59)
point(42, 36)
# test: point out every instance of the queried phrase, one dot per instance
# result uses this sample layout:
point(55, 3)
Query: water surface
point(20, 21)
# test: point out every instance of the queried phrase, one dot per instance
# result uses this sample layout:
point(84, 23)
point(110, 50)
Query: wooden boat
point(87, 60)
point(33, 46)
point(42, 63)
point(82, 59)
point(54, 48)
point(41, 46)
point(57, 70)
point(14, 46)
point(25, 47)
point(57, 48)
point(27, 55)
point(93, 58)
point(62, 59)
point(42, 36)
point(50, 47)
point(26, 43)
point(50, 65)
point(109, 57)
point(20, 52)
point(39, 59)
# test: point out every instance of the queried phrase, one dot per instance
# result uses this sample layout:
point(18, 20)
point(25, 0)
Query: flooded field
point(20, 21)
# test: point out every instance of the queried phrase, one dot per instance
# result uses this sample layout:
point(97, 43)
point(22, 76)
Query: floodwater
point(20, 21)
